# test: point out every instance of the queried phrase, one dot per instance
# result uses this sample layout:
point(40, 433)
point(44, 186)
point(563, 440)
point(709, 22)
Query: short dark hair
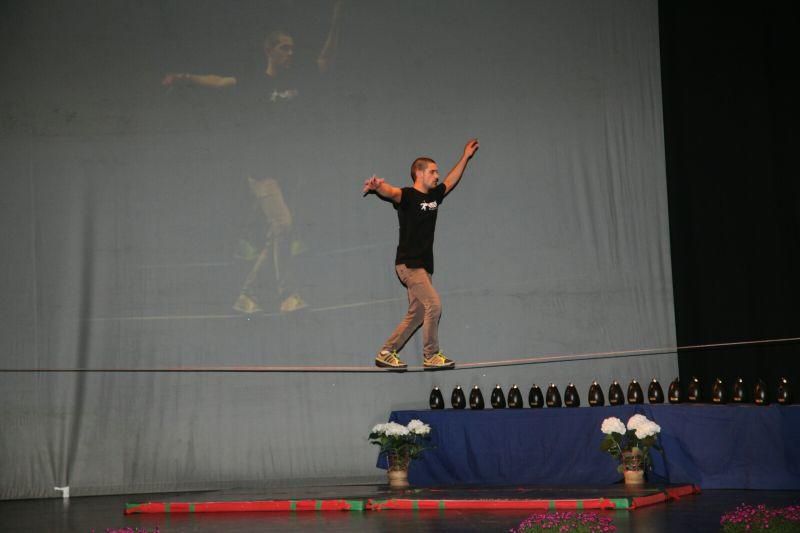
point(273, 37)
point(420, 163)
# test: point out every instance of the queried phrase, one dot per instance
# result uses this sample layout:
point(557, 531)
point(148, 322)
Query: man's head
point(279, 49)
point(425, 172)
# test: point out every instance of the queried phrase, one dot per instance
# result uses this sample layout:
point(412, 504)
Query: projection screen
point(154, 174)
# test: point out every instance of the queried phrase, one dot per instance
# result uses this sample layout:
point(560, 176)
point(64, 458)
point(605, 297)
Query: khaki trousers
point(276, 253)
point(424, 308)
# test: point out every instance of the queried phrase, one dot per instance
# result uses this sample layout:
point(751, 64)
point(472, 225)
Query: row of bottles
point(498, 398)
point(655, 394)
point(719, 393)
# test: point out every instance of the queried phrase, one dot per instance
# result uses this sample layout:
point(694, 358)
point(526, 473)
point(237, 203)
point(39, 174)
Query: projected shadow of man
point(269, 103)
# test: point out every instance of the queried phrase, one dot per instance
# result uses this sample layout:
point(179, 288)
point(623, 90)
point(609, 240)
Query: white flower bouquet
point(401, 443)
point(630, 443)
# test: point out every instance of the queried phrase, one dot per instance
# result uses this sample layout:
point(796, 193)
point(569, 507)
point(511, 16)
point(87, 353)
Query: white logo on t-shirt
point(428, 206)
point(288, 94)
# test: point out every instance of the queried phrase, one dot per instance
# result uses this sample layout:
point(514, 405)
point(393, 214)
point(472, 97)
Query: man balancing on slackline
point(417, 208)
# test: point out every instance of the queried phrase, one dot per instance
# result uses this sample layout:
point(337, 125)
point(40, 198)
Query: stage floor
point(365, 498)
point(698, 512)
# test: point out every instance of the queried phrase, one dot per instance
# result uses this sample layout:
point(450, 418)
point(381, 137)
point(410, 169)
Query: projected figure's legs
point(276, 253)
point(424, 308)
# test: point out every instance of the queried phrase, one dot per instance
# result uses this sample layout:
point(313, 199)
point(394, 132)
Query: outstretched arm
point(455, 175)
point(382, 189)
point(202, 80)
point(328, 52)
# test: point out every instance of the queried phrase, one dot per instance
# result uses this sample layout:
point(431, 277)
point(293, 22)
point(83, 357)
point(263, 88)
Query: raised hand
point(170, 79)
point(471, 147)
point(372, 184)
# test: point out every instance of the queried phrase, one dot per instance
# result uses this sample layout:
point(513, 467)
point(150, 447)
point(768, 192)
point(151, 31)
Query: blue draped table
point(713, 446)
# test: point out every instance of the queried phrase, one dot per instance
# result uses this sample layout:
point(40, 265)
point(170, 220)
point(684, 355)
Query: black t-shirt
point(416, 213)
point(278, 120)
point(261, 95)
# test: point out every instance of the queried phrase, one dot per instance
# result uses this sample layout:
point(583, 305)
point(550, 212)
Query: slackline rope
point(365, 369)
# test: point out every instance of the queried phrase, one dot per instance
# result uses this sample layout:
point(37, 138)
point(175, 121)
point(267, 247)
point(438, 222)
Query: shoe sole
point(295, 309)
point(387, 366)
point(439, 367)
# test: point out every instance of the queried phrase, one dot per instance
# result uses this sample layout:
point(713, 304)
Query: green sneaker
point(293, 303)
point(246, 305)
point(437, 361)
point(389, 360)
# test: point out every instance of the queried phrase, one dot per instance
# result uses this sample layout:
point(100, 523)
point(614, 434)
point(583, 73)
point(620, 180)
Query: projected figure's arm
point(382, 189)
point(455, 175)
point(328, 52)
point(202, 80)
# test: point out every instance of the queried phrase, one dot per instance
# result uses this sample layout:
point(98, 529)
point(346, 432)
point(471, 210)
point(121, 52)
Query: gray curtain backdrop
point(125, 203)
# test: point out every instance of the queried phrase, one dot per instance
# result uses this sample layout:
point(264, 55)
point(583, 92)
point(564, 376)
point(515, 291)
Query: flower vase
point(398, 479)
point(634, 477)
point(633, 467)
point(398, 470)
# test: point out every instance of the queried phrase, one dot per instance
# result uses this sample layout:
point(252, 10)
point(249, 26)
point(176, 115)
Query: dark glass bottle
point(784, 392)
point(718, 393)
point(760, 393)
point(436, 401)
point(596, 397)
point(535, 397)
point(694, 391)
point(655, 394)
point(739, 392)
point(674, 393)
point(515, 398)
point(635, 394)
point(552, 397)
point(615, 396)
point(457, 399)
point(571, 397)
point(475, 398)
point(498, 399)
